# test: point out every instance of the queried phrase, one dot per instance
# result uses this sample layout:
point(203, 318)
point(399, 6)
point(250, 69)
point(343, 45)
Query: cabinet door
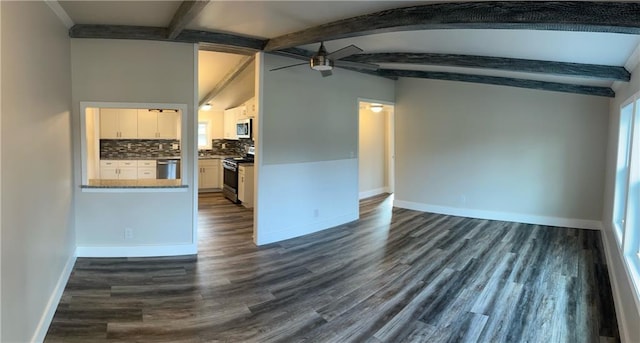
point(241, 184)
point(147, 124)
point(209, 174)
point(146, 172)
point(109, 123)
point(128, 123)
point(127, 173)
point(230, 120)
point(108, 173)
point(168, 125)
point(250, 107)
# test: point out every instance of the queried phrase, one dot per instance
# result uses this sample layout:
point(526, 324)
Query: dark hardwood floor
point(395, 275)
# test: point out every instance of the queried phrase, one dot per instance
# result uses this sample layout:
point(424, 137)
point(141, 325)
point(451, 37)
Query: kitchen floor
point(394, 275)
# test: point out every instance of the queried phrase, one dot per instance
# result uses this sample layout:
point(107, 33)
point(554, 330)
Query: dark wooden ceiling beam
point(187, 11)
point(593, 71)
point(615, 17)
point(502, 81)
point(161, 34)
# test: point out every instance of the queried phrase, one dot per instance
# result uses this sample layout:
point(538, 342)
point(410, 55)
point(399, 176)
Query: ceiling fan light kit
point(321, 63)
point(324, 62)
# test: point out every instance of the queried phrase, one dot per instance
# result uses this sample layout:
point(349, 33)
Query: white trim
point(60, 13)
point(54, 299)
point(373, 192)
point(622, 321)
point(183, 108)
point(297, 231)
point(137, 251)
point(503, 216)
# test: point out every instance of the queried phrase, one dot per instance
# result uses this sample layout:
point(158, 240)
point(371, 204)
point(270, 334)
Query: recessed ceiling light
point(205, 107)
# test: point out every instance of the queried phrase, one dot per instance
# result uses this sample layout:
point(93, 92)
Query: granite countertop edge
point(132, 186)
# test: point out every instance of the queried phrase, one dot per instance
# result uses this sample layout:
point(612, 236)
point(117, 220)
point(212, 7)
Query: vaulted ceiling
point(577, 47)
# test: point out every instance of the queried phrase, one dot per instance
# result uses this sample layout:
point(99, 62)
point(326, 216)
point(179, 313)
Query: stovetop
point(239, 159)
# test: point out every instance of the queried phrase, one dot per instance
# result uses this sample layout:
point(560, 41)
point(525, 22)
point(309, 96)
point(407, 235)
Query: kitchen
point(131, 148)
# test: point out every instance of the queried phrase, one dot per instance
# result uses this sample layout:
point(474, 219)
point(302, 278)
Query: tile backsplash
point(232, 147)
point(138, 148)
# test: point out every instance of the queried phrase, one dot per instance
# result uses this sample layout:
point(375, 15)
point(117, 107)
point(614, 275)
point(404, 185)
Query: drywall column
point(129, 71)
point(308, 145)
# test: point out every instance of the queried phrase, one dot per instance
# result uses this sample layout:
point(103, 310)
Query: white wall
point(499, 152)
point(135, 72)
point(307, 148)
point(372, 146)
point(37, 225)
point(626, 309)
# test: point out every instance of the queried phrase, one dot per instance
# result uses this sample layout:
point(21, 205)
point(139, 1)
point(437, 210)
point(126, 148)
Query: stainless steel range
point(230, 168)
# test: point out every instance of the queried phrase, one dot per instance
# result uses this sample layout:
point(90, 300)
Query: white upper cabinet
point(158, 125)
point(168, 125)
point(118, 123)
point(147, 124)
point(230, 121)
point(251, 108)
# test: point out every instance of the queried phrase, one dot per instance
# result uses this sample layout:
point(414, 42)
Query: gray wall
point(627, 310)
point(138, 72)
point(517, 153)
point(307, 147)
point(37, 231)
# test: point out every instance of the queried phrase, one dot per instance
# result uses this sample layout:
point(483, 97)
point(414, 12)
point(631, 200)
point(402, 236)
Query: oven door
point(230, 177)
point(230, 186)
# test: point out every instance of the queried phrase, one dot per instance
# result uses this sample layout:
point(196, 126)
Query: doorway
point(376, 157)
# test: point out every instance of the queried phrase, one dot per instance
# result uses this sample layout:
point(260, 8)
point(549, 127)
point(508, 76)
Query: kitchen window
point(626, 206)
point(204, 141)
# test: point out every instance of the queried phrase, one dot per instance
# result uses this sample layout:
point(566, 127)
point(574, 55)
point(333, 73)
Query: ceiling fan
point(324, 62)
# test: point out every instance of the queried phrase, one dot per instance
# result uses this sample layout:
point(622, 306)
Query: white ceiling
point(212, 68)
point(268, 19)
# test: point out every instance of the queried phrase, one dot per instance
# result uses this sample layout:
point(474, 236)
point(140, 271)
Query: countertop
point(141, 183)
point(143, 158)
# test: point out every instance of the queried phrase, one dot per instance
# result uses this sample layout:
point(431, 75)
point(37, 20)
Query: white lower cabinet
point(245, 185)
point(209, 174)
point(127, 169)
point(146, 172)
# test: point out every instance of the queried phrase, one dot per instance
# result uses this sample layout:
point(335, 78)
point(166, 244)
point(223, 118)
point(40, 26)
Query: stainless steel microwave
point(243, 128)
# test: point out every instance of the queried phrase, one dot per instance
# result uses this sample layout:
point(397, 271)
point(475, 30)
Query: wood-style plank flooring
point(395, 275)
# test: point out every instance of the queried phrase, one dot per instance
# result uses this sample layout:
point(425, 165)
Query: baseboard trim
point(622, 321)
point(50, 310)
point(297, 231)
point(137, 251)
point(503, 216)
point(373, 192)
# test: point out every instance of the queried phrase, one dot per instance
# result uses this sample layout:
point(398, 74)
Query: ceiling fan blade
point(326, 73)
point(357, 65)
point(289, 66)
point(344, 52)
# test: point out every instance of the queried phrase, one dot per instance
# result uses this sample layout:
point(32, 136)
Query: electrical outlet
point(224, 145)
point(128, 233)
point(175, 146)
point(159, 146)
point(128, 145)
